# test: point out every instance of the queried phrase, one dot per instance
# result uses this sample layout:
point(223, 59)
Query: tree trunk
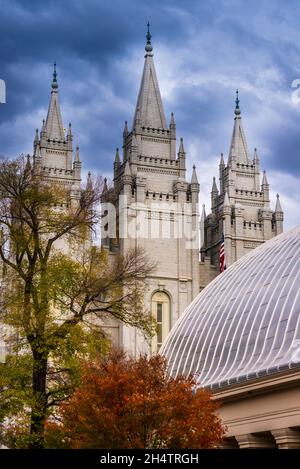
point(39, 406)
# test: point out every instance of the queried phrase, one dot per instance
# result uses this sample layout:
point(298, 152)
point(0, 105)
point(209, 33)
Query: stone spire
point(116, 164)
point(172, 126)
point(89, 182)
point(214, 188)
point(105, 188)
point(203, 214)
point(181, 147)
point(194, 179)
point(125, 131)
point(255, 157)
point(28, 163)
point(77, 165)
point(149, 104)
point(181, 158)
point(278, 207)
point(53, 126)
point(117, 157)
point(221, 173)
point(278, 217)
point(36, 138)
point(172, 120)
point(69, 138)
point(69, 134)
point(214, 194)
point(264, 179)
point(77, 158)
point(238, 147)
point(265, 189)
point(42, 133)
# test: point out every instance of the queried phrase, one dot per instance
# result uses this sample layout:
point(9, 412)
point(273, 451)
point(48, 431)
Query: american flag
point(222, 255)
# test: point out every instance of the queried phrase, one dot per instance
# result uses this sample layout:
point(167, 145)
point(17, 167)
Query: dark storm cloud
point(203, 51)
point(86, 38)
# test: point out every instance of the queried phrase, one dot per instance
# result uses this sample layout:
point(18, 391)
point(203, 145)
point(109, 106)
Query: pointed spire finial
point(125, 131)
point(117, 157)
point(148, 47)
point(149, 102)
point(36, 135)
point(54, 128)
point(222, 160)
point(54, 81)
point(278, 207)
point(89, 182)
point(105, 188)
point(69, 135)
point(265, 180)
point(43, 128)
point(238, 151)
point(203, 216)
point(172, 120)
point(28, 163)
point(237, 110)
point(194, 179)
point(181, 147)
point(77, 158)
point(214, 186)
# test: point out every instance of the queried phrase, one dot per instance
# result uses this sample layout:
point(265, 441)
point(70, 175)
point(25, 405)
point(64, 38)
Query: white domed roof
point(246, 323)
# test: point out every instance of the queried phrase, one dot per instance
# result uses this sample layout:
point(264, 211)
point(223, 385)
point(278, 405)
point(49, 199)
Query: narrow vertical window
point(161, 314)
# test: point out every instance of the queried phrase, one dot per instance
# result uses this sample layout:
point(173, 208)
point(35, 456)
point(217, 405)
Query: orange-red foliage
point(127, 403)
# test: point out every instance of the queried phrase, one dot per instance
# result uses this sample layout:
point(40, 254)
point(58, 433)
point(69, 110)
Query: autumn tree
point(55, 282)
point(128, 403)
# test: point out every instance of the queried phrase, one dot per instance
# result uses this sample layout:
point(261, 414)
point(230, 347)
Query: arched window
point(162, 314)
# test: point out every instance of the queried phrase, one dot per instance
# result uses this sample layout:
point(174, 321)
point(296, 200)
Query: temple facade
point(151, 192)
point(157, 207)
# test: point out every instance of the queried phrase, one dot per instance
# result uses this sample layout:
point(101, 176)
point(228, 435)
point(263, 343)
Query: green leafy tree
point(57, 287)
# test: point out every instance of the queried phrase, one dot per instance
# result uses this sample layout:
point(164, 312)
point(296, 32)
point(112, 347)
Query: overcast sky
point(203, 51)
